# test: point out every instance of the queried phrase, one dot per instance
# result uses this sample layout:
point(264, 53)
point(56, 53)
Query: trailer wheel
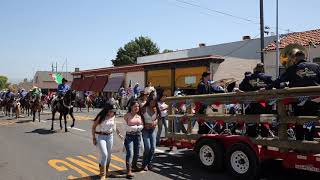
point(242, 162)
point(211, 155)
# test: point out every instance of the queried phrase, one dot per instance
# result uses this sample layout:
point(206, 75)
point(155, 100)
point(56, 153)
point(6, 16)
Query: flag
point(57, 77)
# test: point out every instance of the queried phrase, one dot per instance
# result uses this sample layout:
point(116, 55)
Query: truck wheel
point(242, 162)
point(210, 155)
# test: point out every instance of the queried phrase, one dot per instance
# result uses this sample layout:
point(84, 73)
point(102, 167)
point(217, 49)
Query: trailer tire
point(242, 162)
point(210, 154)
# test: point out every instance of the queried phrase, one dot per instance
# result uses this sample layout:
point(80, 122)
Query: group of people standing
point(143, 117)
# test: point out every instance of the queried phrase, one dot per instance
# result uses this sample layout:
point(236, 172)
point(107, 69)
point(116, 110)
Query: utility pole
point(261, 31)
point(277, 43)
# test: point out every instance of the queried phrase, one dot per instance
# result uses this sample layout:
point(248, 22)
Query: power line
point(216, 11)
point(224, 13)
point(240, 47)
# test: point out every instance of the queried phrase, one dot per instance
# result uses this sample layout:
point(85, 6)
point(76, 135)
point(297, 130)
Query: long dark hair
point(132, 103)
point(102, 115)
point(151, 97)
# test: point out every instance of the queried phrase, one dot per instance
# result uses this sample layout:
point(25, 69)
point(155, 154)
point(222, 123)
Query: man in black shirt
point(301, 74)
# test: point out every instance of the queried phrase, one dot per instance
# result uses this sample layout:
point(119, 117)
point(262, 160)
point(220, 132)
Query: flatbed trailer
point(242, 155)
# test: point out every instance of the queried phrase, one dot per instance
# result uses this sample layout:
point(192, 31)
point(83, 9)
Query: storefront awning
point(85, 84)
point(99, 83)
point(114, 84)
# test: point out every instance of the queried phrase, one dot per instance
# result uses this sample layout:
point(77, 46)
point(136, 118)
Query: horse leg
point(34, 115)
point(52, 120)
point(60, 118)
point(73, 119)
point(65, 123)
point(39, 115)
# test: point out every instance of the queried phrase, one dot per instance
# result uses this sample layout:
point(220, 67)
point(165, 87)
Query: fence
point(281, 98)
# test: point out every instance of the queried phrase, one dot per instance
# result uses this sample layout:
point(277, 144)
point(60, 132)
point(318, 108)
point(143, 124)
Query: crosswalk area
point(85, 166)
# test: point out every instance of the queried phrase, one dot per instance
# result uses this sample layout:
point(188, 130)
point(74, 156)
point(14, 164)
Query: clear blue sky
point(34, 33)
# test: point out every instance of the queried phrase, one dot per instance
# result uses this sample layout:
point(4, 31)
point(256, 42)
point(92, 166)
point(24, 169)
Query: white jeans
point(105, 143)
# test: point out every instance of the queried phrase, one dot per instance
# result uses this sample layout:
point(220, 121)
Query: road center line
point(77, 129)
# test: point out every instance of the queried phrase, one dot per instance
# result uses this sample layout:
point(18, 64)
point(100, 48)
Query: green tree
point(167, 50)
point(128, 54)
point(3, 82)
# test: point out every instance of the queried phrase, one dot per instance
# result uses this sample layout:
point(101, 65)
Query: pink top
point(133, 120)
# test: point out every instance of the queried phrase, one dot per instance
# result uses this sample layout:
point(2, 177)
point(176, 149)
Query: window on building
point(190, 80)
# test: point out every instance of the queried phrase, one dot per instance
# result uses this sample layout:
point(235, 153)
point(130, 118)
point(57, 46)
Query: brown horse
point(89, 102)
point(36, 106)
point(64, 107)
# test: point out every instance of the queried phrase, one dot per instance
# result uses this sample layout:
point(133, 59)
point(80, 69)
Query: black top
point(300, 75)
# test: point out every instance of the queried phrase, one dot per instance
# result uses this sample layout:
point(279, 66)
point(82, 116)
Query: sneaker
point(150, 167)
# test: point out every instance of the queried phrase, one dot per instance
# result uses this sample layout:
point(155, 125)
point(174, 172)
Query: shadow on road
point(42, 131)
point(23, 121)
point(183, 166)
point(114, 175)
point(186, 166)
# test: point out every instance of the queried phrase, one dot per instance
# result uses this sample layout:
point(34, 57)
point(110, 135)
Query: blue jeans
point(105, 143)
point(149, 141)
point(132, 145)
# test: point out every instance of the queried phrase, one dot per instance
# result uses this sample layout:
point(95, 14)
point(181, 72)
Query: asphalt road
point(31, 151)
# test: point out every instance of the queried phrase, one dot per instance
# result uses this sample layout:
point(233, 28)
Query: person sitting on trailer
point(258, 80)
point(205, 87)
point(300, 73)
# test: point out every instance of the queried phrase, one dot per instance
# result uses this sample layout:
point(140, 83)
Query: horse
point(25, 104)
point(17, 107)
point(36, 106)
point(79, 103)
point(89, 102)
point(2, 105)
point(64, 107)
point(49, 101)
point(9, 106)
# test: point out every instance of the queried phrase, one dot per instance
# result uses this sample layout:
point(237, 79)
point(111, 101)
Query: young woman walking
point(134, 126)
point(104, 125)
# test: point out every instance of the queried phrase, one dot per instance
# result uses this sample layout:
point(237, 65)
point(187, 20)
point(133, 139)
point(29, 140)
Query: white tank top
point(107, 126)
point(147, 118)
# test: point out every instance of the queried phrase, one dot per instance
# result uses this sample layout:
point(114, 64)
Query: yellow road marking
point(84, 163)
point(54, 163)
point(7, 123)
point(117, 159)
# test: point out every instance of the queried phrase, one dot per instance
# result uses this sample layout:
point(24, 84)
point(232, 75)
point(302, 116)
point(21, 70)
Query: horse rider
point(9, 94)
point(23, 93)
point(62, 89)
point(300, 73)
point(35, 93)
